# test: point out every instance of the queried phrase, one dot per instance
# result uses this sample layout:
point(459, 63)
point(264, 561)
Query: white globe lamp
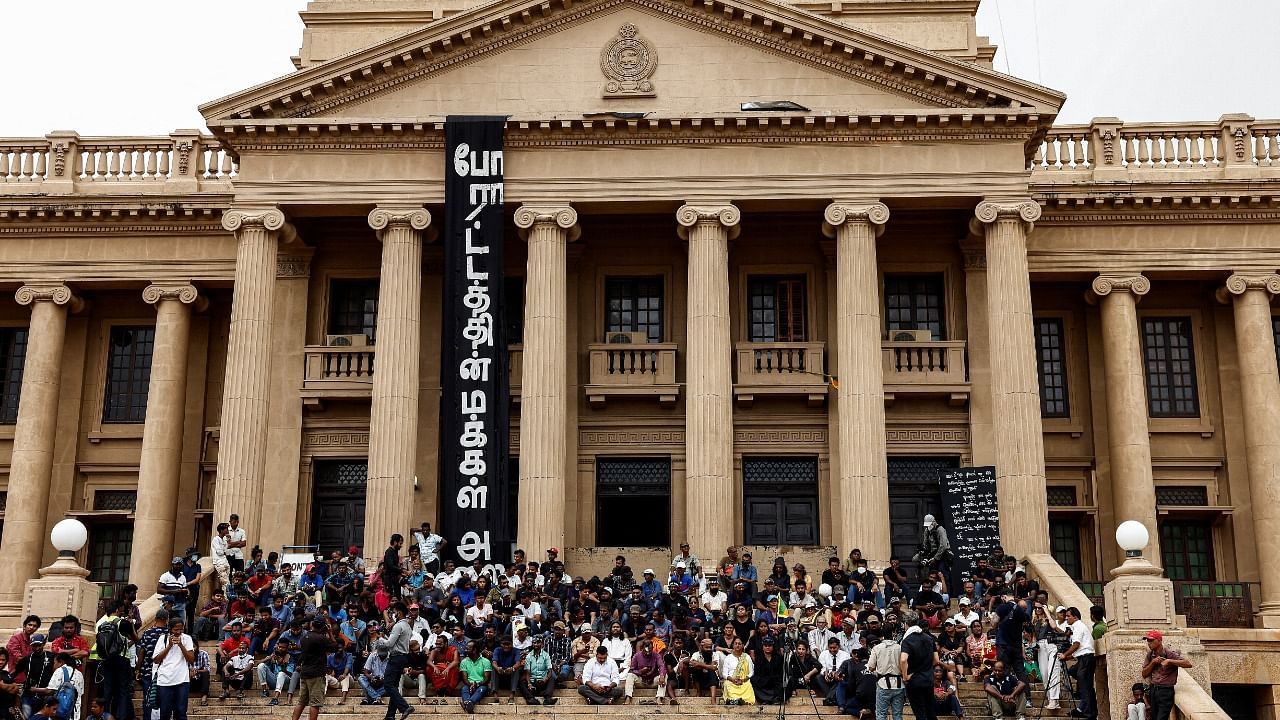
point(68, 536)
point(1133, 537)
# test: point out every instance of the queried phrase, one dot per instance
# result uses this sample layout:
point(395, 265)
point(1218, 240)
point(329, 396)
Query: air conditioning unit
point(911, 335)
point(627, 338)
point(357, 340)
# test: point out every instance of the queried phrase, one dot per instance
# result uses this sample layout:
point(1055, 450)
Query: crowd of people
point(415, 624)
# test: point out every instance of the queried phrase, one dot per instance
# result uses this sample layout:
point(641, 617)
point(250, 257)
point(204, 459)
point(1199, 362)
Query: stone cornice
point(774, 27)
point(1259, 202)
point(562, 216)
point(838, 213)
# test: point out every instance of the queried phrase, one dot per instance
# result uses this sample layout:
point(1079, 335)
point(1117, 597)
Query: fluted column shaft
point(31, 465)
point(1260, 391)
point(1133, 490)
point(544, 398)
point(709, 482)
point(159, 466)
point(242, 441)
point(393, 414)
point(1015, 387)
point(863, 515)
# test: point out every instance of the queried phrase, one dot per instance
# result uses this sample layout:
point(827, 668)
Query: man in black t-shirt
point(313, 667)
point(919, 655)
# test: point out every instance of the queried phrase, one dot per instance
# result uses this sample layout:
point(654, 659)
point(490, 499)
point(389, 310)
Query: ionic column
point(1260, 391)
point(31, 465)
point(243, 427)
point(708, 418)
point(1133, 489)
point(160, 464)
point(393, 414)
point(1015, 387)
point(544, 393)
point(863, 515)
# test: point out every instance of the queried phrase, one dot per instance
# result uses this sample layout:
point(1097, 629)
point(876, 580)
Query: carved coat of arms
point(628, 61)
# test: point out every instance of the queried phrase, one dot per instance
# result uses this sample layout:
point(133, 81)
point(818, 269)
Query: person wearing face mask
point(935, 549)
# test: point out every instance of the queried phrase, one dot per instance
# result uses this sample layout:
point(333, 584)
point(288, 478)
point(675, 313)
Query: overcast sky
point(140, 67)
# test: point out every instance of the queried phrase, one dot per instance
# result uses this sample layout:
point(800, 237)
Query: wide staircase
point(571, 705)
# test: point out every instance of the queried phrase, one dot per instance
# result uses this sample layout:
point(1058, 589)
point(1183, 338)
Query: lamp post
point(63, 587)
point(68, 536)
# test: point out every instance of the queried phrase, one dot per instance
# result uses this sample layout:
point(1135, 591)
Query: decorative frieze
point(814, 437)
point(631, 437)
point(293, 266)
point(950, 436)
point(335, 439)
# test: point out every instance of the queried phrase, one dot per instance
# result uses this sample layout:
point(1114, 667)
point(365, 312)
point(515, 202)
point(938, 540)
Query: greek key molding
point(837, 214)
point(771, 436)
point(989, 211)
point(561, 216)
point(414, 217)
point(927, 435)
point(56, 294)
point(1104, 285)
point(335, 439)
point(631, 437)
point(270, 219)
point(1239, 283)
point(726, 216)
point(184, 293)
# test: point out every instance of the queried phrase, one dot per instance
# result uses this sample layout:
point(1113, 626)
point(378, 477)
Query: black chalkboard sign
point(972, 518)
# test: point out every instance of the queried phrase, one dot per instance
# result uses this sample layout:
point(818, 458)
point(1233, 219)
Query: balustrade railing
point(66, 162)
point(632, 369)
point(23, 160)
point(1216, 604)
point(338, 367)
point(931, 362)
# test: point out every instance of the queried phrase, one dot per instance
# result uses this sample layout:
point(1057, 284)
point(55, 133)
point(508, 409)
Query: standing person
point(313, 666)
point(173, 654)
point(935, 549)
point(429, 547)
point(392, 570)
point(64, 674)
point(218, 551)
point(1081, 650)
point(1160, 669)
point(19, 645)
point(146, 650)
point(1013, 617)
point(114, 636)
point(397, 643)
point(915, 663)
point(884, 664)
point(237, 541)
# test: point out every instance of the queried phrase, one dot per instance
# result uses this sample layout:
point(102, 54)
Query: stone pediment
point(539, 58)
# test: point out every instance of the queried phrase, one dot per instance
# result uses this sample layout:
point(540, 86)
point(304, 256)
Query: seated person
point(1004, 691)
point(274, 673)
point(1137, 708)
point(945, 699)
point(803, 672)
point(703, 667)
point(371, 677)
point(442, 666)
point(236, 673)
point(415, 669)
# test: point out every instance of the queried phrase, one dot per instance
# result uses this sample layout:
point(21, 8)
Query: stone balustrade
point(644, 369)
point(925, 368)
point(1108, 149)
point(66, 163)
point(780, 369)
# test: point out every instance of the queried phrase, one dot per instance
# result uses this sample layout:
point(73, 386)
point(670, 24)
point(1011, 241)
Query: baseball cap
point(965, 601)
point(893, 600)
point(847, 620)
point(649, 571)
point(176, 560)
point(1153, 635)
point(353, 549)
point(558, 625)
point(37, 639)
point(681, 564)
point(555, 550)
point(1061, 608)
point(586, 627)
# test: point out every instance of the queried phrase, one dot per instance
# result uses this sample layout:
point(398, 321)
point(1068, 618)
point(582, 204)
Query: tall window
point(128, 374)
point(633, 502)
point(1187, 550)
point(1064, 545)
point(1171, 368)
point(1053, 368)
point(634, 305)
point(109, 553)
point(513, 313)
point(914, 302)
point(353, 308)
point(13, 353)
point(777, 309)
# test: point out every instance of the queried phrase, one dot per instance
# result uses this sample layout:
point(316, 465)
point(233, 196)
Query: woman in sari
point(737, 672)
point(442, 666)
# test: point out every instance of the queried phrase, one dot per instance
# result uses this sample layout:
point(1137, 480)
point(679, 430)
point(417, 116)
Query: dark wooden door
point(913, 493)
point(781, 521)
point(337, 510)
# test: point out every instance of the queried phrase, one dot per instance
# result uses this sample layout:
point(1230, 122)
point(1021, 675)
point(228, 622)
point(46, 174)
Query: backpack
point(111, 642)
point(66, 695)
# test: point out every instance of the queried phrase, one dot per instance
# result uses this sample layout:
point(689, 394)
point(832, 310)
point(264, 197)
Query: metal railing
point(1216, 604)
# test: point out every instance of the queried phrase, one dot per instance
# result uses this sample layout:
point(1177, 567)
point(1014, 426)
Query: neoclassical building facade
point(768, 324)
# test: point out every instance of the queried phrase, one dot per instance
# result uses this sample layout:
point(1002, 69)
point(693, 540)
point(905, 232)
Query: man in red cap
point(354, 560)
point(1160, 669)
point(552, 563)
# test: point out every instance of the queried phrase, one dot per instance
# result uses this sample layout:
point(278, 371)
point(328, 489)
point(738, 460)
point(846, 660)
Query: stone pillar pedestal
point(544, 394)
point(63, 588)
point(1133, 489)
point(31, 466)
point(159, 468)
point(1015, 384)
point(393, 414)
point(242, 441)
point(862, 519)
point(1260, 397)
point(709, 481)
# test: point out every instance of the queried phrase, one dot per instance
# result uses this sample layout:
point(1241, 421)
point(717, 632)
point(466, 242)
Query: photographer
point(803, 672)
point(1052, 637)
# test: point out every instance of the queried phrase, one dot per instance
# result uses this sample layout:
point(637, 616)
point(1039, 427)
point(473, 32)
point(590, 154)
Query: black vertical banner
point(474, 382)
point(972, 518)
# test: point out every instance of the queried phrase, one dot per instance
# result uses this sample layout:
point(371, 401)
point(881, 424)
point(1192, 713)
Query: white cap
point(649, 571)
point(1061, 608)
point(929, 519)
point(681, 564)
point(966, 601)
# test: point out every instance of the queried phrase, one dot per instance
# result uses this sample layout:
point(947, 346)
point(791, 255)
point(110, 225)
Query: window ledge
point(7, 431)
point(1063, 426)
point(114, 431)
point(1199, 425)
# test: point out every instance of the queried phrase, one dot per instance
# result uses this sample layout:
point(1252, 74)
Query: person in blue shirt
point(281, 613)
point(508, 663)
point(746, 572)
point(352, 629)
point(681, 578)
point(310, 581)
point(338, 668)
point(336, 612)
point(465, 591)
point(650, 588)
point(293, 636)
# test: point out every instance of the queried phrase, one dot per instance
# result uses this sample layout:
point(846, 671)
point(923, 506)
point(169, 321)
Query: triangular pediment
point(538, 58)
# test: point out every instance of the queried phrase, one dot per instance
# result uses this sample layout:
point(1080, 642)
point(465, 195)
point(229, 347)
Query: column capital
point(726, 215)
point(561, 216)
point(1240, 283)
point(185, 293)
point(1104, 285)
point(266, 218)
point(842, 212)
point(990, 211)
point(58, 294)
point(414, 217)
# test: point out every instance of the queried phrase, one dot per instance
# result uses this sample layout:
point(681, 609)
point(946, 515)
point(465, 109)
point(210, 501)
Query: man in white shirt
point(829, 662)
point(1081, 651)
point(429, 546)
point(64, 671)
point(529, 610)
point(820, 634)
point(966, 617)
point(848, 637)
point(172, 656)
point(884, 663)
point(237, 541)
point(600, 679)
point(714, 599)
point(218, 551)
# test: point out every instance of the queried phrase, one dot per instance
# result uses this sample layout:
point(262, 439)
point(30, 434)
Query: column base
point(1268, 617)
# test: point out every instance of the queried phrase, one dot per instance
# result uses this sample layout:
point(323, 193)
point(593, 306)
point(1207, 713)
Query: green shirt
point(537, 664)
point(1099, 629)
point(473, 670)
